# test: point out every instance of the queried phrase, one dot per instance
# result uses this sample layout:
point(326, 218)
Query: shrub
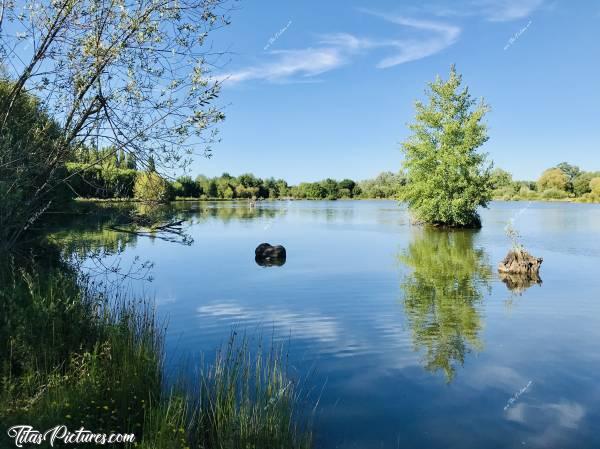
point(100, 181)
point(554, 194)
point(595, 185)
point(150, 186)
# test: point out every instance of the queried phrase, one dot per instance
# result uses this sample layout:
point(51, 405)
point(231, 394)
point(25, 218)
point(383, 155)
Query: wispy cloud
point(490, 10)
point(439, 36)
point(307, 62)
point(506, 10)
point(337, 49)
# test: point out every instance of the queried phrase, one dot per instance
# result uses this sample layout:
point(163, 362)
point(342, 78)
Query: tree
point(595, 186)
point(132, 76)
point(122, 162)
point(331, 188)
point(448, 179)
point(150, 186)
point(130, 161)
point(212, 190)
point(151, 165)
point(571, 171)
point(500, 178)
point(27, 142)
point(553, 178)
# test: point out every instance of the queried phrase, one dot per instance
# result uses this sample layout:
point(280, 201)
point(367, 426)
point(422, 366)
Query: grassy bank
point(72, 354)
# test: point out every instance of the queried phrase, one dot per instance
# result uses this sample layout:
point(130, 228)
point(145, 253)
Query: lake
point(407, 337)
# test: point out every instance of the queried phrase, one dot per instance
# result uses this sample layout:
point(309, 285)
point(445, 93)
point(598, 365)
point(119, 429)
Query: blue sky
point(325, 89)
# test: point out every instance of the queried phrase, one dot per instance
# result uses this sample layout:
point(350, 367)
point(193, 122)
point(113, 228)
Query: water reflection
point(441, 296)
point(518, 283)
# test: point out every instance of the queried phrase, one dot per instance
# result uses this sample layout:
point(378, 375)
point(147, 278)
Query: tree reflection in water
point(441, 295)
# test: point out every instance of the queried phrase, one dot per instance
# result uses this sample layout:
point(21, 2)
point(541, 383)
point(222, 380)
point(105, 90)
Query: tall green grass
point(72, 354)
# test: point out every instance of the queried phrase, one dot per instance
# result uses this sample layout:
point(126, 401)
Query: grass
point(71, 354)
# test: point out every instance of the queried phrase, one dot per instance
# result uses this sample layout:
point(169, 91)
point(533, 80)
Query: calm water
point(411, 336)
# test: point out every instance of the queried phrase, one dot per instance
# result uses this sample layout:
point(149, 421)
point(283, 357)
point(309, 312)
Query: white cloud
point(337, 49)
point(440, 36)
point(304, 62)
point(506, 10)
point(309, 325)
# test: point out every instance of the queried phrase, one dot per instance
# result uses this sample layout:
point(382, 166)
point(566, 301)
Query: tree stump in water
point(519, 261)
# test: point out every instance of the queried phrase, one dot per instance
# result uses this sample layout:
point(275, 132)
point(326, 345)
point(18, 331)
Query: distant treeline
point(564, 181)
point(109, 174)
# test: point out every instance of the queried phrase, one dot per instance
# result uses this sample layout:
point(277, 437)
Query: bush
point(150, 186)
point(595, 186)
point(554, 194)
point(100, 181)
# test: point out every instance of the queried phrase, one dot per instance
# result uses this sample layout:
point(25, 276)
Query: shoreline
point(271, 200)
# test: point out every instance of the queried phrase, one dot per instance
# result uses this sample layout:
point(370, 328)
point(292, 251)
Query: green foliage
point(150, 186)
point(571, 172)
point(581, 184)
point(553, 193)
point(72, 354)
point(441, 297)
point(385, 185)
point(100, 181)
point(186, 187)
point(248, 401)
point(553, 178)
point(500, 179)
point(593, 196)
point(28, 164)
point(68, 357)
point(447, 178)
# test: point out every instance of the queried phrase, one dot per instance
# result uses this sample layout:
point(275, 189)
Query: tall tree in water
point(448, 178)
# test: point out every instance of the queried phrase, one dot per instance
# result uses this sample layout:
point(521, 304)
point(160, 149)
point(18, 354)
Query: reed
point(73, 354)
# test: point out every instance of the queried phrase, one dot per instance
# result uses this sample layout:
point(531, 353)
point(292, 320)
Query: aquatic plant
point(73, 354)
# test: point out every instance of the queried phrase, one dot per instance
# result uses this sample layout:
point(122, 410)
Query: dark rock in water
point(269, 262)
point(518, 283)
point(521, 262)
point(267, 255)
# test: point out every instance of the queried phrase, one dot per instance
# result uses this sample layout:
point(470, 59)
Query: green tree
point(500, 178)
point(331, 188)
point(595, 186)
point(130, 161)
point(572, 171)
point(212, 190)
point(28, 147)
point(346, 187)
point(282, 188)
point(151, 187)
point(448, 179)
point(122, 162)
point(151, 165)
point(553, 178)
point(581, 184)
point(96, 67)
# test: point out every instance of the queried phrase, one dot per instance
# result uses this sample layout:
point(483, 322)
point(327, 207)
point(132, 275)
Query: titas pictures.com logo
point(27, 435)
